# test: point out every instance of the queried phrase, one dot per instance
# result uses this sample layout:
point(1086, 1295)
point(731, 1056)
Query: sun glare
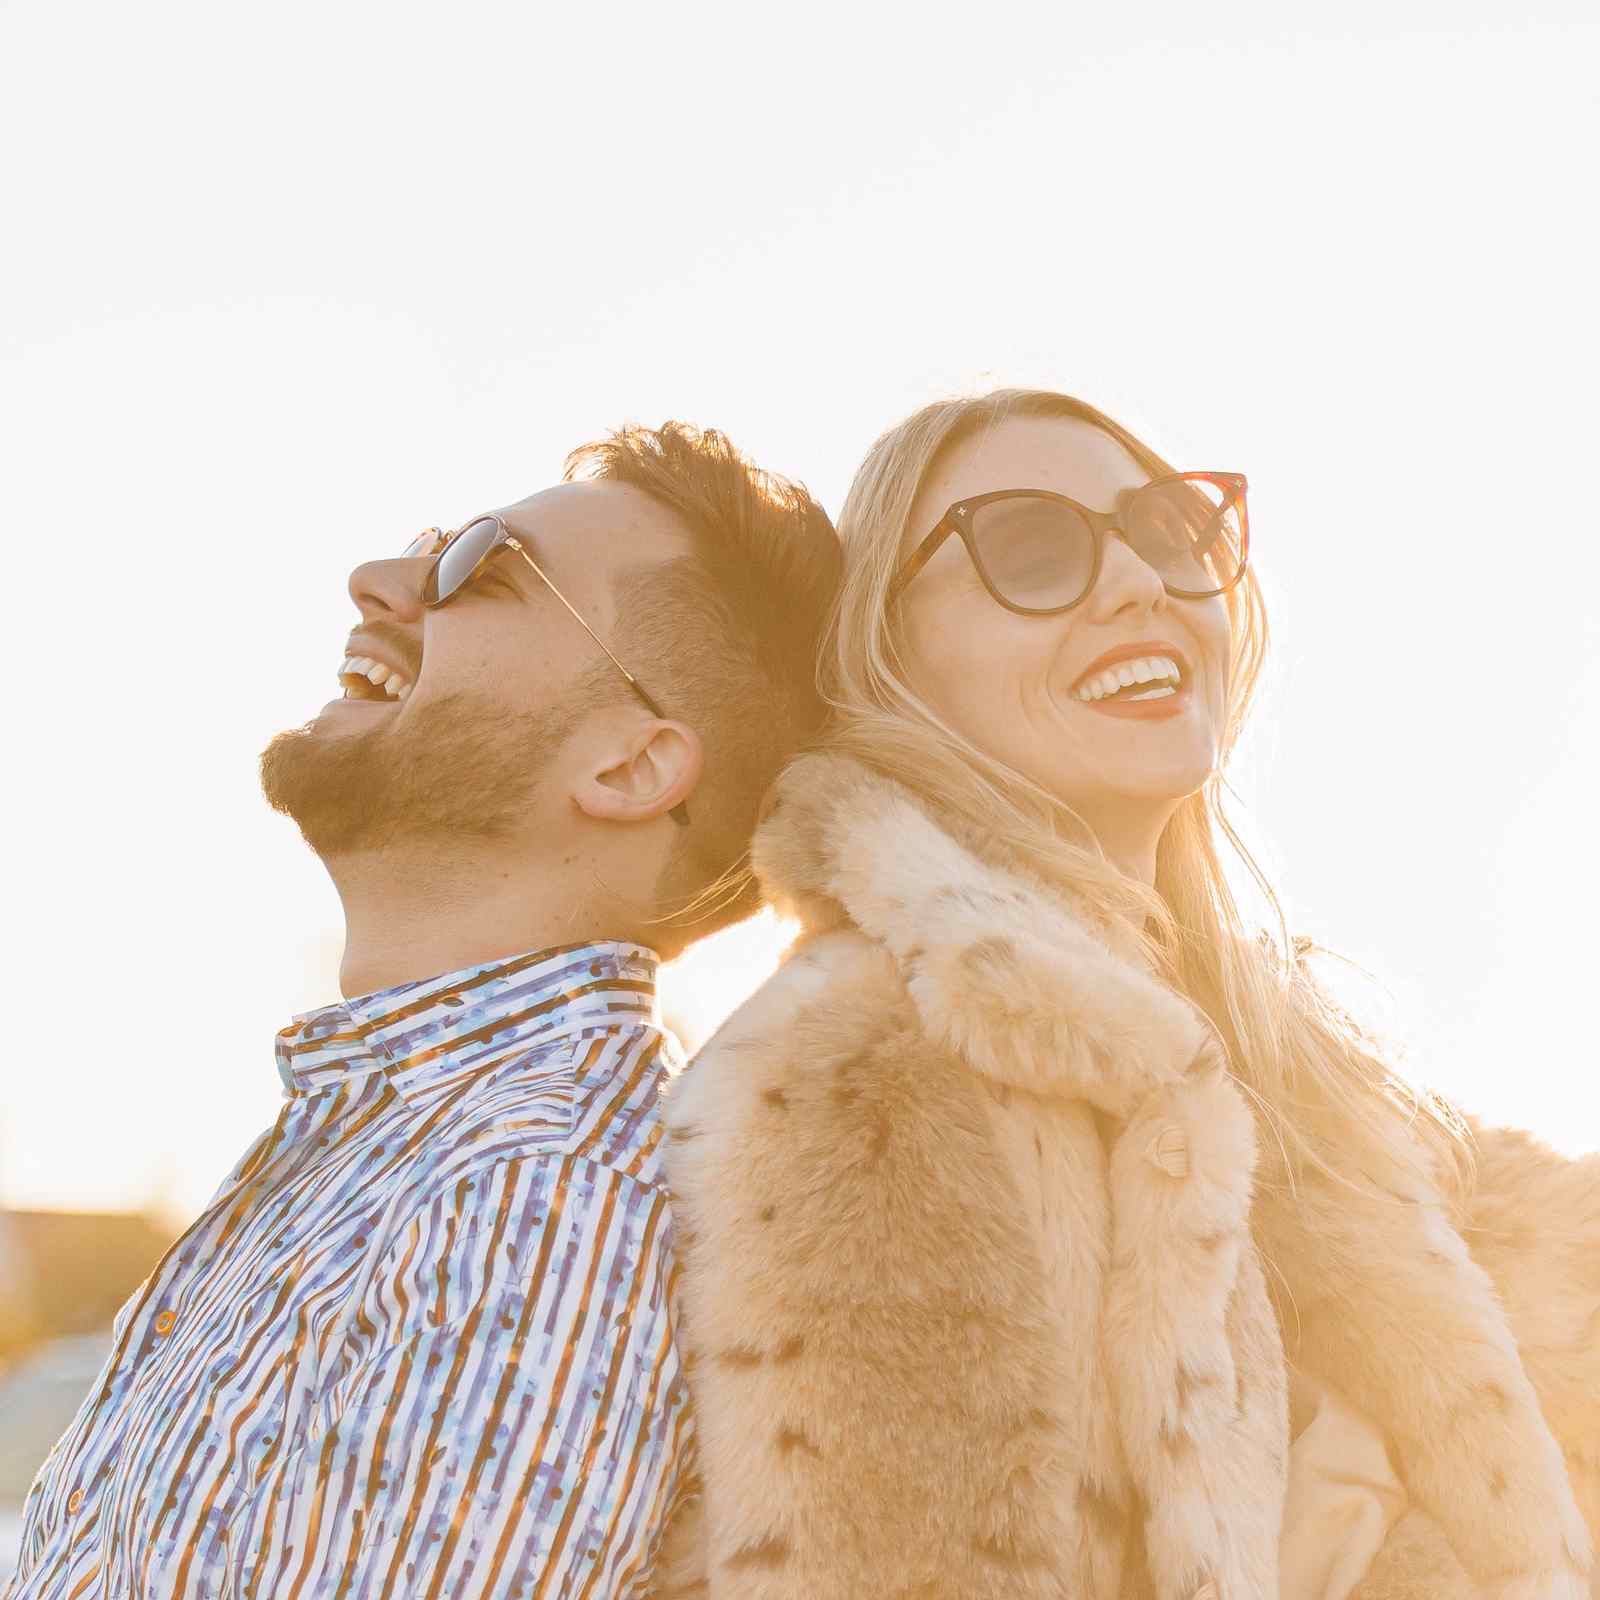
point(707, 983)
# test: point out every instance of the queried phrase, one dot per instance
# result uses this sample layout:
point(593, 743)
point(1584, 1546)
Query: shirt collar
point(419, 1034)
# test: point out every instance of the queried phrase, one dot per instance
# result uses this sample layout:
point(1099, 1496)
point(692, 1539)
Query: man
point(423, 1341)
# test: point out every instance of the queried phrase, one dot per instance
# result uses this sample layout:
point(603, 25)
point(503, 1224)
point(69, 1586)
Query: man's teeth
point(392, 683)
point(1160, 672)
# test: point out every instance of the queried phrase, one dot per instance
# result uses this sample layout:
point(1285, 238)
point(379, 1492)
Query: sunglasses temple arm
point(919, 558)
point(577, 617)
point(680, 812)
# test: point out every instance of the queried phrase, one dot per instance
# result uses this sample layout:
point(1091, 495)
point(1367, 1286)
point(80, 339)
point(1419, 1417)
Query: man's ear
point(656, 768)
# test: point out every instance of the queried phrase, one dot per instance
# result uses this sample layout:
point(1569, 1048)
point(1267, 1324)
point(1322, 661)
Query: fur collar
point(1016, 979)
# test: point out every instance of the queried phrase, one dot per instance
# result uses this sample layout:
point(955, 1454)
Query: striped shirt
point(423, 1341)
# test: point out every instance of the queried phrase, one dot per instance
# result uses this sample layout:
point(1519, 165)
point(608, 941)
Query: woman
point(1007, 1206)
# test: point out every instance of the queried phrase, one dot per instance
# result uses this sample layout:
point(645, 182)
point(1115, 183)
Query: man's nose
point(1127, 583)
point(390, 588)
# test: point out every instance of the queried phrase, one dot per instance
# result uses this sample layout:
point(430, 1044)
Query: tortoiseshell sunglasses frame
point(958, 520)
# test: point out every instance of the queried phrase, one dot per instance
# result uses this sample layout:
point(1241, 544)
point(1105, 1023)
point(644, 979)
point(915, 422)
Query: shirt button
point(164, 1323)
point(75, 1501)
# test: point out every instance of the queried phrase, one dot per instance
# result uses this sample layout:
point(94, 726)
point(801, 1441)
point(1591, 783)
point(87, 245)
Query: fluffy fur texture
point(972, 1292)
point(1533, 1223)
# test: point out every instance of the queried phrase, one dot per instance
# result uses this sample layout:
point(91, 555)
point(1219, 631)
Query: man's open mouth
point(365, 679)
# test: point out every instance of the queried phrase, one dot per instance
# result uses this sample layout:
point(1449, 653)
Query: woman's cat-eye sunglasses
point(1039, 553)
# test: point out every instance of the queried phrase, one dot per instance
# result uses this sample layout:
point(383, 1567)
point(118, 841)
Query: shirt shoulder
point(618, 1082)
point(595, 1095)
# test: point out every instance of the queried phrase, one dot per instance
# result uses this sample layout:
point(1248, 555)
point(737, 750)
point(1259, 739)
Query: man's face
point(502, 680)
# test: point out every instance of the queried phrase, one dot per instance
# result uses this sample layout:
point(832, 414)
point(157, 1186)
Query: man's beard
point(459, 767)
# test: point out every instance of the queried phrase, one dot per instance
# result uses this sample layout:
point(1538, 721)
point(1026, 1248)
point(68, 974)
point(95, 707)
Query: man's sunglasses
point(1039, 553)
point(459, 556)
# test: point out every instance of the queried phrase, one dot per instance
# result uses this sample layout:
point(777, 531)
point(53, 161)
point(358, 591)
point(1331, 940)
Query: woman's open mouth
point(1124, 684)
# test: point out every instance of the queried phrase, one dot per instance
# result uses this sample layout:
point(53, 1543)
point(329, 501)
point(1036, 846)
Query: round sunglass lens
point(1037, 553)
point(1191, 531)
point(460, 559)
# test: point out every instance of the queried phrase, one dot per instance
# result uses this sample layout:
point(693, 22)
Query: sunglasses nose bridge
point(1107, 522)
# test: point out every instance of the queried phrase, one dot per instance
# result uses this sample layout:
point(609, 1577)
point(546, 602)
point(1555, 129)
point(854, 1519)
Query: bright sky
point(286, 284)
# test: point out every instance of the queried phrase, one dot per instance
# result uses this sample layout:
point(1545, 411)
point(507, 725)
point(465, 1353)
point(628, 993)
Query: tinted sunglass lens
point(460, 558)
point(1191, 531)
point(1038, 553)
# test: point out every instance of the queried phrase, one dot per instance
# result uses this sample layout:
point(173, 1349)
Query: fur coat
point(976, 1279)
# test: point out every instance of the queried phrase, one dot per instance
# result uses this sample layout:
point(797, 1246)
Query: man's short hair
point(728, 638)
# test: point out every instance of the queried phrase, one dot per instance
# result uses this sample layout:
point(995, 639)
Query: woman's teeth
point(1160, 673)
point(392, 684)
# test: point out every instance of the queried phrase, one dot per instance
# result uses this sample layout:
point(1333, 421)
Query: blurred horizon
point(297, 289)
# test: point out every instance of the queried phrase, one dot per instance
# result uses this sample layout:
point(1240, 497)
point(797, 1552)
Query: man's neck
point(409, 920)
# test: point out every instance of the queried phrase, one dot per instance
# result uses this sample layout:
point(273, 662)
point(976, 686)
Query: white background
point(284, 284)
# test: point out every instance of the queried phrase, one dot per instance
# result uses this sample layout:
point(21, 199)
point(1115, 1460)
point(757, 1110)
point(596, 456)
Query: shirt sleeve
point(527, 1434)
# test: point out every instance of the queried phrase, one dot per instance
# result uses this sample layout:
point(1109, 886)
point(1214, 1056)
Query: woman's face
point(1014, 685)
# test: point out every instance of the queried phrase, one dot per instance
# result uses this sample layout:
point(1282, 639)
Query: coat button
point(75, 1501)
point(165, 1322)
point(1169, 1150)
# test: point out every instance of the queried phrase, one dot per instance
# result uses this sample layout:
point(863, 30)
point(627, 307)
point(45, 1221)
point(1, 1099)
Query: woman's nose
point(1126, 583)
point(390, 587)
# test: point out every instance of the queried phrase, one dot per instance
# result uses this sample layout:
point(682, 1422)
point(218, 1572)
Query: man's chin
point(321, 775)
point(456, 768)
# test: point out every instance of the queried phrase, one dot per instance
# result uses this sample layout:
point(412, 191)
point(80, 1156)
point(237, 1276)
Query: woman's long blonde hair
point(1325, 1092)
